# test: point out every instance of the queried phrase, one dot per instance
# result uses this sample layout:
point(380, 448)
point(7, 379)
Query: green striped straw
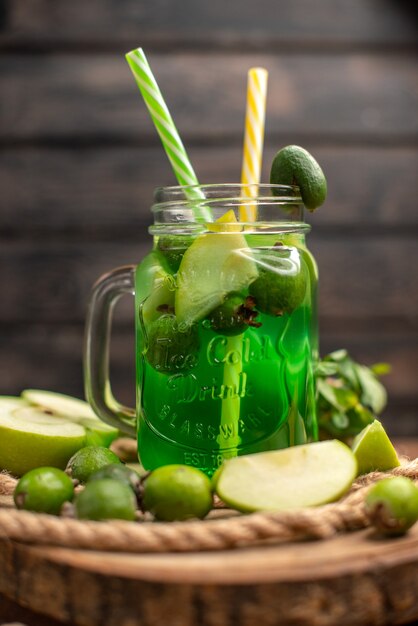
point(167, 130)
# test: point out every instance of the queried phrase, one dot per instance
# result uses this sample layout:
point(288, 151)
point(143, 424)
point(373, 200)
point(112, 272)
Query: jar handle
point(105, 293)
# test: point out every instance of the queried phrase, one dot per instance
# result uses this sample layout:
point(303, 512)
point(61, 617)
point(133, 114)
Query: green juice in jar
point(204, 395)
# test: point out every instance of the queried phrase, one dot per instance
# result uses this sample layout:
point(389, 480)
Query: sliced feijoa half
point(374, 450)
point(302, 476)
point(215, 265)
point(30, 438)
point(294, 165)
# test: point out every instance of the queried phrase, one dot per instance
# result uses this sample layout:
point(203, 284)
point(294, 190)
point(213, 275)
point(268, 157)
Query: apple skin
point(45, 428)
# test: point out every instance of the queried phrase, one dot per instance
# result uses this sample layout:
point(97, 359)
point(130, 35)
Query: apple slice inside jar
point(215, 265)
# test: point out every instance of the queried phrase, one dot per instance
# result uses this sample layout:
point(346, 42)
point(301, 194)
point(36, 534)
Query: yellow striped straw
point(250, 175)
point(253, 140)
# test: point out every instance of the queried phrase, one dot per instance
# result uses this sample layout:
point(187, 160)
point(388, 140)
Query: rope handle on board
point(211, 534)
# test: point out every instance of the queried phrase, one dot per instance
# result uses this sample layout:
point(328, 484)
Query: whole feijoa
point(282, 281)
point(392, 505)
point(294, 165)
point(118, 471)
point(44, 490)
point(177, 492)
point(172, 347)
point(173, 247)
point(234, 315)
point(88, 460)
point(106, 499)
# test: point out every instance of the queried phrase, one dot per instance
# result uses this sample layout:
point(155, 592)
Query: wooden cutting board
point(351, 579)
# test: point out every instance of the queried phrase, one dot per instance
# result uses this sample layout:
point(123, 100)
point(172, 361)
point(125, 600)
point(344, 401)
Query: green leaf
point(340, 421)
point(359, 417)
point(373, 392)
point(337, 355)
point(325, 368)
point(347, 399)
point(380, 369)
point(328, 392)
point(347, 370)
point(349, 395)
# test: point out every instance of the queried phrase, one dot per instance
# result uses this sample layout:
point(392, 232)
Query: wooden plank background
point(80, 160)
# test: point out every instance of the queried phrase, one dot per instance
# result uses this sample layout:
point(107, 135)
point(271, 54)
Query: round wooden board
point(351, 579)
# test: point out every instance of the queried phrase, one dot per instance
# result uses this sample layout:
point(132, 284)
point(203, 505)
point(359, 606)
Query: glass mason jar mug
point(226, 328)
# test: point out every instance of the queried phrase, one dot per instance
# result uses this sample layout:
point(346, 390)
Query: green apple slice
point(302, 476)
point(8, 403)
point(58, 403)
point(97, 432)
point(374, 450)
point(30, 438)
point(215, 265)
point(73, 409)
point(154, 289)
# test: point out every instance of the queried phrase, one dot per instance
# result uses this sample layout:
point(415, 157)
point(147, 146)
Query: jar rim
point(183, 193)
point(258, 208)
